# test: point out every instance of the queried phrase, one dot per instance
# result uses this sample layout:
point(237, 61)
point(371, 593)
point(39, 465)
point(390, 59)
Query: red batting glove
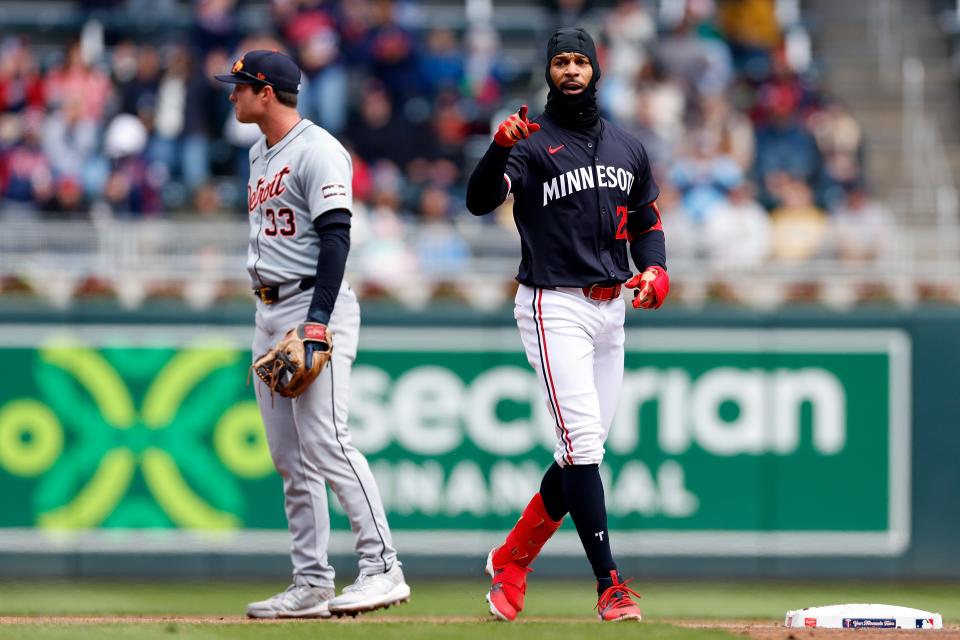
point(652, 287)
point(515, 128)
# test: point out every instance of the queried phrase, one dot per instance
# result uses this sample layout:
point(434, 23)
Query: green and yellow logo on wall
point(130, 437)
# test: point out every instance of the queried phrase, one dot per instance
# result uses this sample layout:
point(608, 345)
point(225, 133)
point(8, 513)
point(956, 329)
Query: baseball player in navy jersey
point(299, 203)
point(583, 198)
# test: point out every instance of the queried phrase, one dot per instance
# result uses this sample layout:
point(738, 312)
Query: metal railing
point(931, 192)
point(199, 261)
point(884, 19)
point(924, 159)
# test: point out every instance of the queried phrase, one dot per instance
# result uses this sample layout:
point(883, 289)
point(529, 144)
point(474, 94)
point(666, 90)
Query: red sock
point(528, 536)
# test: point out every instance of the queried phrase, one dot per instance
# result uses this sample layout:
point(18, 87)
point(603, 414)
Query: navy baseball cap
point(265, 67)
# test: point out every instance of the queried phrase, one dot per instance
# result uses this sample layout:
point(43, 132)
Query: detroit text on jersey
point(264, 190)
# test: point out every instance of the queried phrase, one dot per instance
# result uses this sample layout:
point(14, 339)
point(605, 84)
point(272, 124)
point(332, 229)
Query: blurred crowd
point(755, 163)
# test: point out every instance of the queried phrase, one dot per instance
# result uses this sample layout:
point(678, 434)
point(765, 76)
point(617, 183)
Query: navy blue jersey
point(573, 199)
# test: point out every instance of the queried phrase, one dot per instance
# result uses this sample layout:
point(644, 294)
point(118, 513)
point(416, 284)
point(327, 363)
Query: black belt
point(271, 294)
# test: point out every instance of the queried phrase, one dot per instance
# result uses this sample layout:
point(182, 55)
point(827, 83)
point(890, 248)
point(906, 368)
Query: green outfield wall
point(801, 442)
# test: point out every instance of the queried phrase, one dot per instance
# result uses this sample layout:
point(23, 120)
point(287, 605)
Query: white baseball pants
point(311, 446)
point(575, 345)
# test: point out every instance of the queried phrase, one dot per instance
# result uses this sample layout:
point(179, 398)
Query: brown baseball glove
point(297, 360)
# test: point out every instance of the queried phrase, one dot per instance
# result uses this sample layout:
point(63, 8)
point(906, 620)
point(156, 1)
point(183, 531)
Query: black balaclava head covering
point(579, 111)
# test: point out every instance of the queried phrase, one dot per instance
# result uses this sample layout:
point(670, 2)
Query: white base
point(863, 616)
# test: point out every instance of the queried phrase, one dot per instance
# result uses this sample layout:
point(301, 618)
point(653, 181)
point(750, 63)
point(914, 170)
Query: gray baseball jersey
point(305, 175)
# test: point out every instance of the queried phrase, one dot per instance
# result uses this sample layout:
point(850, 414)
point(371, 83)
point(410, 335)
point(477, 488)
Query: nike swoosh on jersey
point(553, 150)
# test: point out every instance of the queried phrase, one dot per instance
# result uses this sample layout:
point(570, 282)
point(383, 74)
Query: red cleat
point(507, 564)
point(508, 589)
point(615, 604)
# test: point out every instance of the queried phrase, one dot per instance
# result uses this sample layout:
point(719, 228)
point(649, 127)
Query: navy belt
point(271, 294)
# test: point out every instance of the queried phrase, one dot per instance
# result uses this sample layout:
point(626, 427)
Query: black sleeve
point(335, 216)
point(647, 243)
point(334, 247)
point(645, 189)
point(649, 249)
point(487, 188)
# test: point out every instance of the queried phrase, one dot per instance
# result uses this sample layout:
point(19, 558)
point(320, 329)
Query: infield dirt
point(747, 628)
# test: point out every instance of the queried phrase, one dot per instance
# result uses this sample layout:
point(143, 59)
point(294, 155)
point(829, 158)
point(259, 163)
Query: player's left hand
point(296, 361)
point(651, 287)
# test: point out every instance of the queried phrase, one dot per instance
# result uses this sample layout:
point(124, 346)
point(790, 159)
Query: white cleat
point(296, 602)
point(372, 592)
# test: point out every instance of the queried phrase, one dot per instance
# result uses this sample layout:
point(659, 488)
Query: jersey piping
point(336, 432)
point(270, 154)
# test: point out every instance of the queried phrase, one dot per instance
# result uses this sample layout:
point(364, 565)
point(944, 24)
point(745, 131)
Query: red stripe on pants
point(549, 374)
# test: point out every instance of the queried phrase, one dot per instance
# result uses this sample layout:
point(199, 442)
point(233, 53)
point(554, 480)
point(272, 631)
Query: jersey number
point(289, 227)
point(621, 223)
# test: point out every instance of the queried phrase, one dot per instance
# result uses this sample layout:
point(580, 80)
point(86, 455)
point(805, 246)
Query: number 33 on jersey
point(302, 177)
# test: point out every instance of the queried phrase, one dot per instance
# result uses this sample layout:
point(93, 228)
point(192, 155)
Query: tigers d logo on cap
point(265, 67)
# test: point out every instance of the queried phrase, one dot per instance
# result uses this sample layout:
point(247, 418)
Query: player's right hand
point(515, 128)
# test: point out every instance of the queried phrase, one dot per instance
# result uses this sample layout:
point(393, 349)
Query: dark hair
point(283, 97)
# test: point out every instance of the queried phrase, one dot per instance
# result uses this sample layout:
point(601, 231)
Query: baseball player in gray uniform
point(299, 202)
